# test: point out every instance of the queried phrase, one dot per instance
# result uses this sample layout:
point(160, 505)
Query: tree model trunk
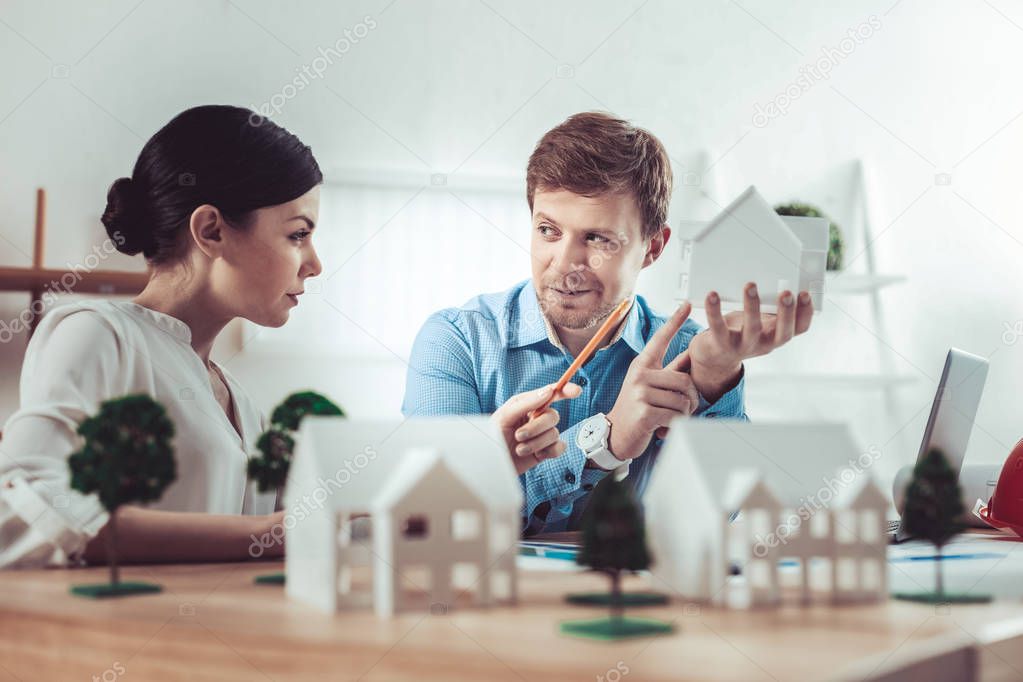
point(617, 609)
point(115, 574)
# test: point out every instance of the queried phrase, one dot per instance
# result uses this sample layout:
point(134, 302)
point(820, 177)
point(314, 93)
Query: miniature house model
point(729, 497)
point(412, 515)
point(749, 242)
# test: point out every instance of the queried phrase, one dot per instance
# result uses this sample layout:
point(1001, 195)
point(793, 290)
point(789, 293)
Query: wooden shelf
point(108, 282)
point(38, 279)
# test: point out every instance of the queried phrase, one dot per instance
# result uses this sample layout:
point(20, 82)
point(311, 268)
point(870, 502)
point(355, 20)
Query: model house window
point(760, 523)
point(870, 526)
point(415, 527)
point(846, 531)
point(500, 536)
point(819, 524)
point(465, 525)
point(847, 577)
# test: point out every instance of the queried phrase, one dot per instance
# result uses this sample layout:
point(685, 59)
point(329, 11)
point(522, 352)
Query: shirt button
point(581, 381)
point(587, 486)
point(569, 477)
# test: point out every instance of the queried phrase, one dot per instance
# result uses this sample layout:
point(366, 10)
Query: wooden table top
point(213, 623)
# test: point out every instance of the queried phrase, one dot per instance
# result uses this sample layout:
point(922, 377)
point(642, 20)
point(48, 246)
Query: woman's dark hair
point(229, 157)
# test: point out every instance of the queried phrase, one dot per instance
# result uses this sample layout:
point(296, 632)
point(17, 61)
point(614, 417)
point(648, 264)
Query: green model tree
point(613, 537)
point(613, 542)
point(932, 512)
point(276, 447)
point(126, 458)
point(276, 444)
point(835, 243)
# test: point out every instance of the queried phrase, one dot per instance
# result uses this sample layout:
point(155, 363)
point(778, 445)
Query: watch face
point(591, 433)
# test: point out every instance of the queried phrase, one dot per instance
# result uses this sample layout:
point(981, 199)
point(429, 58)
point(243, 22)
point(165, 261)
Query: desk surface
point(213, 623)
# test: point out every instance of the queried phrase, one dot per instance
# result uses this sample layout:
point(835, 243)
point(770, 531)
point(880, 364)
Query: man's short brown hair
point(593, 153)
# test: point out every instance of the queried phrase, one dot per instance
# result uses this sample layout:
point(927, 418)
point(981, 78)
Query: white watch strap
point(605, 459)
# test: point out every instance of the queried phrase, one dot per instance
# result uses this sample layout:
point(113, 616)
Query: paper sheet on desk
point(547, 556)
point(535, 563)
point(972, 563)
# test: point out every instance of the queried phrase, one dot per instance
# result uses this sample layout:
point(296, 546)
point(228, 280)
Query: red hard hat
point(1006, 506)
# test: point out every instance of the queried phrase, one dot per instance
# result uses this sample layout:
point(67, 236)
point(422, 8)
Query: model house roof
point(749, 242)
point(862, 493)
point(361, 464)
point(742, 485)
point(795, 460)
point(418, 465)
point(751, 213)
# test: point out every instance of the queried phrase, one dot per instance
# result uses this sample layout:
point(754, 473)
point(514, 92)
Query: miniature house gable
point(382, 498)
point(684, 527)
point(813, 261)
point(770, 474)
point(749, 242)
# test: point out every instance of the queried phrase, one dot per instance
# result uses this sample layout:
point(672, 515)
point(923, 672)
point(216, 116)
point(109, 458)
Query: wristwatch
point(592, 438)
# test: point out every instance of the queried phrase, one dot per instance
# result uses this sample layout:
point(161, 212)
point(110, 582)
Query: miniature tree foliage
point(270, 468)
point(933, 505)
point(288, 415)
point(836, 245)
point(126, 457)
point(613, 535)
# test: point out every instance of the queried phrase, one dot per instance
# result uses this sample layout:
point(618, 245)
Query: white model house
point(749, 242)
point(727, 496)
point(411, 515)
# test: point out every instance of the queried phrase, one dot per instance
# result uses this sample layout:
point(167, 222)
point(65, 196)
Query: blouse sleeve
point(74, 361)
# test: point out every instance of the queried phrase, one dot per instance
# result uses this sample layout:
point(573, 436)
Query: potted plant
point(126, 458)
point(836, 245)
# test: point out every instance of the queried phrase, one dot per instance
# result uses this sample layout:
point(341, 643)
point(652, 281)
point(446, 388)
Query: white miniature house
point(412, 515)
point(749, 242)
point(727, 495)
point(746, 490)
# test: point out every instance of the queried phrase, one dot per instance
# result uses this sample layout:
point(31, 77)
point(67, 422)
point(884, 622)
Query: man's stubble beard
point(576, 319)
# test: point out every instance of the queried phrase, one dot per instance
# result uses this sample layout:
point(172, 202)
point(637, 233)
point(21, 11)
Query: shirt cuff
point(42, 532)
point(731, 405)
point(554, 485)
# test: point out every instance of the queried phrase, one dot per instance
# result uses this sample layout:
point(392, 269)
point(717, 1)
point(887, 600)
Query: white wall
point(464, 89)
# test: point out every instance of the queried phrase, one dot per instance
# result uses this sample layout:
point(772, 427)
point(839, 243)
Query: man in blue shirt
point(599, 190)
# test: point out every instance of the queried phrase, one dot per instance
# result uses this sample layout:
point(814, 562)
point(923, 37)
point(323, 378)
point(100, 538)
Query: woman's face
point(265, 265)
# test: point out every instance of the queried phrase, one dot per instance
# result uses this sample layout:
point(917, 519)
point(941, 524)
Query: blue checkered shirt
point(470, 360)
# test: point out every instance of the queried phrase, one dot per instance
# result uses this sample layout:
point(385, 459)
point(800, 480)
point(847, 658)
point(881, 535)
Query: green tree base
point(105, 590)
point(945, 598)
point(610, 629)
point(270, 579)
point(627, 599)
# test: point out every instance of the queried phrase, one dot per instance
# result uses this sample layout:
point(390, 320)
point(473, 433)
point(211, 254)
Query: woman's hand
point(267, 536)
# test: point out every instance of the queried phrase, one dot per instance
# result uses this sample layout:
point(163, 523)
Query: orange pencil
point(616, 316)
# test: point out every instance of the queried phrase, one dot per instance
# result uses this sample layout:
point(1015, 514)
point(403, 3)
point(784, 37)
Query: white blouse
point(80, 355)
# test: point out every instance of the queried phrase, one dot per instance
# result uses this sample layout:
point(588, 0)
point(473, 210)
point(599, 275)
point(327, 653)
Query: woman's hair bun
point(124, 218)
point(221, 155)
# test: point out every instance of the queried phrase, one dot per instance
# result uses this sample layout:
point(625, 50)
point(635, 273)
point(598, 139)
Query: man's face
point(587, 253)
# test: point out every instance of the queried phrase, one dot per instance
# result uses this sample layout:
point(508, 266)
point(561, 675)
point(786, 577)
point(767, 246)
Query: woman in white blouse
point(222, 204)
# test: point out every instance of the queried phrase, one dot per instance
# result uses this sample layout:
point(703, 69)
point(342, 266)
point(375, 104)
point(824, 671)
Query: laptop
point(952, 413)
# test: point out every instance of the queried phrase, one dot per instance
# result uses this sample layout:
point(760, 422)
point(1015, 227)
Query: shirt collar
point(528, 325)
point(167, 323)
